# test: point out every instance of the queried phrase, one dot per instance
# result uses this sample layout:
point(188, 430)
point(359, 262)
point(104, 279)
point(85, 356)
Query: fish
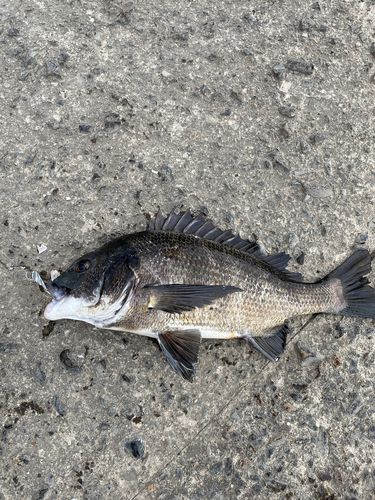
point(183, 280)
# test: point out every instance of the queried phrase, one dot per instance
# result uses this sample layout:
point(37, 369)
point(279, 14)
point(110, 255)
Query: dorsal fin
point(203, 228)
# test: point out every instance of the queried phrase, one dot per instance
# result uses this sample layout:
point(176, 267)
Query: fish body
point(184, 279)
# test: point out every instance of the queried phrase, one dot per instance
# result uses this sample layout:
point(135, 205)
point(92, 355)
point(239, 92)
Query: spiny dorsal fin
point(202, 228)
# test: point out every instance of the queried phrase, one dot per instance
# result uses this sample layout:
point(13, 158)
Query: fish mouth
point(65, 306)
point(57, 292)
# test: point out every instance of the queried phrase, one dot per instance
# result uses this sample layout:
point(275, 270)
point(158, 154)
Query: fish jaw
point(65, 308)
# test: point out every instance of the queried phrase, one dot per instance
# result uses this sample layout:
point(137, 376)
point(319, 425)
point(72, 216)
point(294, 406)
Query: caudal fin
point(358, 296)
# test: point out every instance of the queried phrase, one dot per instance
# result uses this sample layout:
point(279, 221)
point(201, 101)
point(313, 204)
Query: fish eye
point(83, 266)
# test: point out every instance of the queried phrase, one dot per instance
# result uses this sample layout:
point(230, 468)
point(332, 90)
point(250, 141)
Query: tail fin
point(359, 297)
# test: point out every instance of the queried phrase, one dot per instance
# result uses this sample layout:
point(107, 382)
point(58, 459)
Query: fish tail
point(353, 296)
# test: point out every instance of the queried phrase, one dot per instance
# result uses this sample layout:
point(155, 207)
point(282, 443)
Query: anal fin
point(271, 346)
point(181, 348)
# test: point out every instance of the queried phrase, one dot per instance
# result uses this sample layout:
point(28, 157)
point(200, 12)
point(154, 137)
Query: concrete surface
point(109, 112)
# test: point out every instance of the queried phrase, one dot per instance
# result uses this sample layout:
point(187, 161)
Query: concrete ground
point(261, 114)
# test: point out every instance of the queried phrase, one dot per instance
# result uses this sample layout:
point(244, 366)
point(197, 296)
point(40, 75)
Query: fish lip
point(57, 292)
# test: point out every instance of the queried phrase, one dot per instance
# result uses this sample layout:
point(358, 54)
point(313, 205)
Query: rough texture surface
point(263, 114)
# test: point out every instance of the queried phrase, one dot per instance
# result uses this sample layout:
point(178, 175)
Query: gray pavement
point(261, 114)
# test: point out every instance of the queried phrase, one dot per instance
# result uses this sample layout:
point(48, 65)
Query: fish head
point(96, 288)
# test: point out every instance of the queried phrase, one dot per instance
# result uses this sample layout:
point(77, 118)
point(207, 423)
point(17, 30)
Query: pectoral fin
point(181, 298)
point(181, 350)
point(271, 346)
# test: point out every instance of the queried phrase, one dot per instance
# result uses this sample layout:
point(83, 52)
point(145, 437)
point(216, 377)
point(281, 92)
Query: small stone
point(300, 66)
point(127, 379)
point(58, 406)
point(14, 32)
point(299, 255)
point(288, 111)
point(278, 70)
point(281, 167)
point(185, 403)
point(227, 112)
point(216, 468)
point(371, 433)
point(305, 148)
point(324, 476)
point(228, 466)
point(39, 374)
point(318, 138)
point(184, 36)
point(24, 75)
point(286, 131)
point(127, 9)
point(317, 190)
point(235, 416)
point(9, 348)
point(293, 240)
point(306, 24)
point(166, 173)
point(361, 238)
point(53, 68)
point(135, 448)
point(112, 122)
point(328, 168)
point(168, 77)
point(267, 164)
point(275, 486)
point(356, 405)
point(85, 129)
point(353, 368)
point(68, 363)
point(372, 48)
point(204, 89)
point(49, 479)
point(308, 355)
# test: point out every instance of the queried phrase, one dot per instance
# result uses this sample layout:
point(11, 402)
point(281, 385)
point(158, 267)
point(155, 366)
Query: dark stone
point(300, 66)
point(135, 448)
point(318, 138)
point(355, 406)
point(166, 173)
point(53, 68)
point(41, 494)
point(24, 75)
point(228, 466)
point(112, 122)
point(14, 32)
point(324, 476)
point(185, 403)
point(353, 368)
point(9, 348)
point(85, 129)
point(216, 468)
point(227, 112)
point(68, 363)
point(338, 331)
point(58, 406)
point(127, 379)
point(275, 486)
point(372, 48)
point(39, 374)
point(278, 70)
point(371, 434)
point(184, 36)
point(48, 329)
